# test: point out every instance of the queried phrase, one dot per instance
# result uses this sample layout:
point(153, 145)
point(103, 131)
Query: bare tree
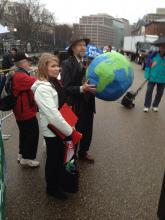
point(63, 35)
point(33, 22)
point(2, 6)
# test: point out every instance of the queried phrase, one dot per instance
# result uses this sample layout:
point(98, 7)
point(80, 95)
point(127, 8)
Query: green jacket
point(156, 73)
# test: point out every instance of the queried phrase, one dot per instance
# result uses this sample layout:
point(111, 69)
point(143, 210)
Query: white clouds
point(69, 11)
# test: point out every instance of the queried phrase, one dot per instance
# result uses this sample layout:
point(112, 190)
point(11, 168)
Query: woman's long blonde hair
point(43, 65)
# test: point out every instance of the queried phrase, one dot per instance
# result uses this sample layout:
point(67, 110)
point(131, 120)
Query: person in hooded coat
point(156, 77)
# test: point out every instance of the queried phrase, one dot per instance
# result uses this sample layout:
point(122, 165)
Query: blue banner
point(93, 51)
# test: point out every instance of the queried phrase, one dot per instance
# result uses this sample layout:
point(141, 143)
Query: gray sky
point(69, 11)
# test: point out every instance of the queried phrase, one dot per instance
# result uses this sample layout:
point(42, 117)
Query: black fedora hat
point(75, 39)
point(21, 56)
point(159, 42)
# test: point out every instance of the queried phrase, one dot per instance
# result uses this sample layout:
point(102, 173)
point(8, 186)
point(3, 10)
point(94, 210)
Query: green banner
point(2, 180)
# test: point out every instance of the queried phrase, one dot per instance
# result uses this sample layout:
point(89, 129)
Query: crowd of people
point(46, 94)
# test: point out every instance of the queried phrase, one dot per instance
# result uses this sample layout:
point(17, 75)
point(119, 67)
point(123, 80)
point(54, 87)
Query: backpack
point(7, 99)
point(149, 58)
point(2, 82)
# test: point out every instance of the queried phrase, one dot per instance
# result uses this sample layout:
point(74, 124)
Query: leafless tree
point(2, 6)
point(33, 22)
point(63, 35)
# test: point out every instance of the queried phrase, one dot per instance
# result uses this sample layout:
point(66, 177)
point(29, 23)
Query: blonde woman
point(50, 98)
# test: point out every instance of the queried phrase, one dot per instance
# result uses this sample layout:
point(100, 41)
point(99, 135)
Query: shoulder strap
point(150, 58)
point(21, 70)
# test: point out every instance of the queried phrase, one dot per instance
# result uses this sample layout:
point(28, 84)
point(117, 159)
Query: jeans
point(159, 94)
point(28, 138)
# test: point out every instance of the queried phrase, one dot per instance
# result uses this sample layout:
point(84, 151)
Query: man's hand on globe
point(89, 88)
point(112, 74)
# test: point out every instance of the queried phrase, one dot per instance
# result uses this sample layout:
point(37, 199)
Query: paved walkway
point(123, 184)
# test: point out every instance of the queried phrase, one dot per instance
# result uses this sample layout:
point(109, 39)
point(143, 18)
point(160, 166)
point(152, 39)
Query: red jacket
point(21, 86)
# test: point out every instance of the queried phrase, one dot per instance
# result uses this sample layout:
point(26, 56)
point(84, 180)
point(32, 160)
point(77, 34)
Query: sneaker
point(146, 109)
point(155, 109)
point(19, 158)
point(29, 163)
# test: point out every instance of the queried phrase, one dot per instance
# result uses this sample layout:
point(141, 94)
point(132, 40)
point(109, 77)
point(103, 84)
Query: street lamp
point(14, 35)
point(54, 36)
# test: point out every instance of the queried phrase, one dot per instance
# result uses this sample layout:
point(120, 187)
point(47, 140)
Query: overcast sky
point(69, 11)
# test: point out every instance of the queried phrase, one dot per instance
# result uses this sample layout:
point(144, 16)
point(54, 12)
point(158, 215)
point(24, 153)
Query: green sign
point(2, 182)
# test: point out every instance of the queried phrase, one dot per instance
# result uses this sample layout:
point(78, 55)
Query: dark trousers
point(161, 206)
point(85, 126)
point(54, 163)
point(159, 94)
point(28, 138)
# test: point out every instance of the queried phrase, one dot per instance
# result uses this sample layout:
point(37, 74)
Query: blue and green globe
point(112, 74)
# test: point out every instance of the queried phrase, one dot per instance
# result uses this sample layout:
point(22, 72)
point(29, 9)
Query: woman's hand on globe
point(89, 88)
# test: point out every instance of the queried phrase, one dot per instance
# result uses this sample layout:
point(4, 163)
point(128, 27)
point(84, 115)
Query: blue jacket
point(156, 73)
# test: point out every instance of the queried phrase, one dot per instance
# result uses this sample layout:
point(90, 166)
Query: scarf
point(57, 85)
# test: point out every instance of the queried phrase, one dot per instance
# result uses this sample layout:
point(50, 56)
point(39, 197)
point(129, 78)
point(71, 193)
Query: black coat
point(72, 77)
point(8, 61)
point(161, 206)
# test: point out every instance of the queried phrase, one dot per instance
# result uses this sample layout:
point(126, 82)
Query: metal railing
point(3, 117)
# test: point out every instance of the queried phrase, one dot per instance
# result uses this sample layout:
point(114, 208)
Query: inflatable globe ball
point(112, 74)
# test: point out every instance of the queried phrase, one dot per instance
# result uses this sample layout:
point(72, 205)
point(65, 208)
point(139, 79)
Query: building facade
point(138, 28)
point(160, 11)
point(156, 28)
point(150, 23)
point(118, 33)
point(127, 26)
point(160, 14)
point(99, 28)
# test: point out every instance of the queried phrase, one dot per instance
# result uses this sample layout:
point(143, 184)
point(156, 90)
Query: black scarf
point(57, 85)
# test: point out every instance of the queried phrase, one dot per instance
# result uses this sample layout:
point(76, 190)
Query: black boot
point(58, 194)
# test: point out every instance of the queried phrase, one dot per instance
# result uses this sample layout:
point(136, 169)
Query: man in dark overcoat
point(80, 94)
